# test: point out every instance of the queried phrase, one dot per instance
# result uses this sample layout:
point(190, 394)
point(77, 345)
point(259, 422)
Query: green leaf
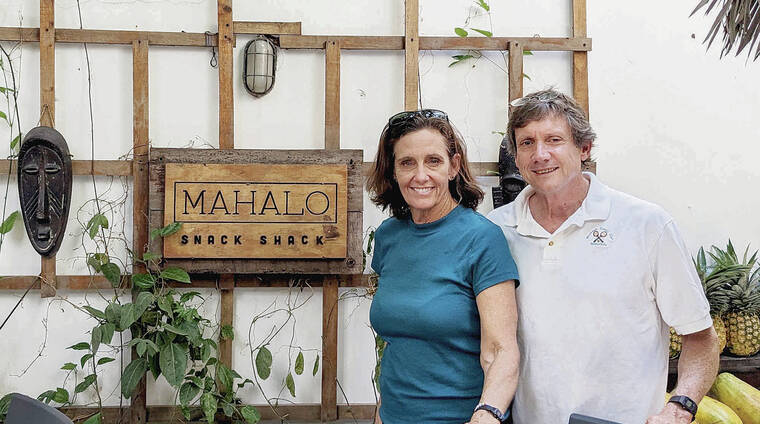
point(68, 366)
point(96, 260)
point(264, 363)
point(208, 405)
point(150, 256)
point(87, 382)
point(227, 333)
point(132, 375)
point(228, 409)
point(45, 396)
point(80, 346)
point(106, 332)
point(113, 313)
point(173, 362)
point(484, 32)
point(95, 223)
point(7, 225)
point(143, 281)
point(143, 302)
point(526, 76)
point(316, 366)
point(187, 392)
point(94, 312)
point(141, 348)
point(171, 229)
point(460, 58)
point(61, 395)
point(298, 368)
point(15, 141)
point(5, 402)
point(205, 352)
point(127, 316)
point(3, 116)
point(97, 334)
point(189, 295)
point(112, 273)
point(225, 376)
point(484, 5)
point(291, 384)
point(460, 32)
point(86, 357)
point(527, 53)
point(174, 329)
point(95, 419)
point(4, 90)
point(105, 360)
point(250, 414)
point(155, 233)
point(176, 274)
point(165, 304)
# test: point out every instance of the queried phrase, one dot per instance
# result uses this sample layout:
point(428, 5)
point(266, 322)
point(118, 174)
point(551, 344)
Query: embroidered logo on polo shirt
point(600, 236)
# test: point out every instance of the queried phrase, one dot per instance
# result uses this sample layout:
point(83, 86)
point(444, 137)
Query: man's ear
point(585, 151)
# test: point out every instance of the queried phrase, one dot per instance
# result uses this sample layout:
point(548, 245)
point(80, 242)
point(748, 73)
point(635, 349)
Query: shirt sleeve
point(493, 261)
point(678, 290)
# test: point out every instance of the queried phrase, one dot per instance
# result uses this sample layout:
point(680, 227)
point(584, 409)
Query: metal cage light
point(259, 65)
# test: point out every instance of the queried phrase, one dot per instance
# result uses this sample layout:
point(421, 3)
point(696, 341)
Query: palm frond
point(739, 22)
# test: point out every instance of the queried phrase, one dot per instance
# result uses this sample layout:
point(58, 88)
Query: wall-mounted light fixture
point(260, 65)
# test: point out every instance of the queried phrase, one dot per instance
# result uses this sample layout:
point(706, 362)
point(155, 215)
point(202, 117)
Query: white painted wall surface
point(676, 126)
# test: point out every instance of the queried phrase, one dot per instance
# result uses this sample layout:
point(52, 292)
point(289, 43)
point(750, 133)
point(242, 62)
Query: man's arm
point(697, 368)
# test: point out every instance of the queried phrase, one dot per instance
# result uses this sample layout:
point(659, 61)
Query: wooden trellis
point(290, 37)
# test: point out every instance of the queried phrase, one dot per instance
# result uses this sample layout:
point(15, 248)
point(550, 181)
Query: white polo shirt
point(595, 301)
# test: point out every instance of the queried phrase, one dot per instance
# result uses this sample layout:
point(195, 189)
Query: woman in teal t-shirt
point(445, 302)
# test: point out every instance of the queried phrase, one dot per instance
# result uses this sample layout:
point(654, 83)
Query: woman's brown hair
point(383, 188)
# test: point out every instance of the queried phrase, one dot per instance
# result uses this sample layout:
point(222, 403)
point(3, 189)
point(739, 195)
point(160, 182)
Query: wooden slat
point(501, 43)
point(117, 168)
point(332, 95)
point(140, 117)
point(580, 59)
point(227, 315)
point(346, 42)
point(329, 410)
point(411, 54)
point(107, 36)
point(515, 70)
point(226, 99)
point(47, 114)
point(271, 28)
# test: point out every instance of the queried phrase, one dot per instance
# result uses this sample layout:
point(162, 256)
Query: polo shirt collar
point(596, 206)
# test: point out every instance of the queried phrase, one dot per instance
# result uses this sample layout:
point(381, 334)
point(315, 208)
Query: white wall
point(676, 126)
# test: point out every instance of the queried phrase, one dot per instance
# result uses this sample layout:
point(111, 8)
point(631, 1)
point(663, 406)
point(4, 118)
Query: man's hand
point(671, 414)
point(483, 417)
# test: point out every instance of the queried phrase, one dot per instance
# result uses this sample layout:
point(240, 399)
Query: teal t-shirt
point(425, 309)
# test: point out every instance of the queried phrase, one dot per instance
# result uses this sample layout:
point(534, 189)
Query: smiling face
point(547, 156)
point(422, 168)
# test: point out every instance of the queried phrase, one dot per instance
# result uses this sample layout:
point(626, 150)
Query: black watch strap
point(686, 403)
point(492, 410)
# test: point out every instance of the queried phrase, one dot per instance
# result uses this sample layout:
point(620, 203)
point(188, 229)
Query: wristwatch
point(493, 411)
point(686, 403)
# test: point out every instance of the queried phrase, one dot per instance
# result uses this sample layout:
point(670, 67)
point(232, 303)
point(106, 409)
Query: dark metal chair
point(25, 410)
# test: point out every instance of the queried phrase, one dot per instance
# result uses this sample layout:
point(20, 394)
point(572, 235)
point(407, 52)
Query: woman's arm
point(499, 355)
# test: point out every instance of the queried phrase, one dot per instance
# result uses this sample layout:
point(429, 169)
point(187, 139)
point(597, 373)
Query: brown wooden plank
point(140, 117)
point(227, 316)
point(118, 168)
point(580, 59)
point(22, 34)
point(332, 95)
point(47, 114)
point(515, 71)
point(226, 99)
point(356, 412)
point(329, 410)
point(105, 36)
point(411, 54)
point(345, 42)
point(501, 43)
point(271, 28)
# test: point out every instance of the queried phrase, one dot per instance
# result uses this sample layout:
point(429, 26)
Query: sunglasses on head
point(399, 120)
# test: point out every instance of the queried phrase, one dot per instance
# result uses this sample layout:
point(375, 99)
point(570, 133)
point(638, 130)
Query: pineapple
point(676, 342)
point(715, 284)
point(741, 288)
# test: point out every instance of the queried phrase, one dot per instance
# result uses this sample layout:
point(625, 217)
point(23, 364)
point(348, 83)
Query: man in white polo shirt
point(603, 275)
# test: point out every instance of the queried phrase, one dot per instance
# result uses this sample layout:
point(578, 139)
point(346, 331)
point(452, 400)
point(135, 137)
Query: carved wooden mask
point(44, 179)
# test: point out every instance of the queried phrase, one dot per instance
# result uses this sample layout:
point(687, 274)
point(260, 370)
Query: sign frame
point(352, 159)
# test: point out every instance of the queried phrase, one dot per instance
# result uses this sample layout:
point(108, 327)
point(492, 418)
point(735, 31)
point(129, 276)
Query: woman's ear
point(456, 162)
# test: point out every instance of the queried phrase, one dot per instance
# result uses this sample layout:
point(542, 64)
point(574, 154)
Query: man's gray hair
point(550, 102)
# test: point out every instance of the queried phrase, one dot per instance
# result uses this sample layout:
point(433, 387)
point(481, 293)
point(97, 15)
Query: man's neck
point(551, 210)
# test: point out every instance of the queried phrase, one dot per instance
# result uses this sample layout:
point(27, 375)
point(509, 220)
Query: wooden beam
point(501, 43)
point(411, 54)
point(47, 114)
point(116, 168)
point(140, 117)
point(226, 96)
point(106, 36)
point(515, 71)
point(329, 408)
point(580, 58)
point(227, 312)
point(269, 28)
point(346, 42)
point(332, 95)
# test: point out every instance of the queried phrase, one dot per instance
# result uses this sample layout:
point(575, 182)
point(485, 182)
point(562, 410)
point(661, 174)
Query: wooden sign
point(256, 211)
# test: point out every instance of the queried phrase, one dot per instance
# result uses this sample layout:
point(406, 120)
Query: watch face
point(686, 402)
